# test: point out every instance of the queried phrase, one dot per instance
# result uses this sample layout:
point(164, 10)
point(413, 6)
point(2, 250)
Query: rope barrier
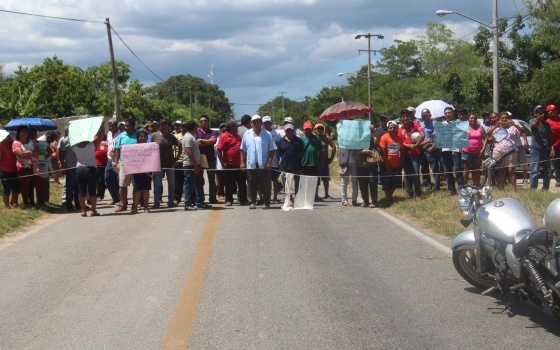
point(441, 173)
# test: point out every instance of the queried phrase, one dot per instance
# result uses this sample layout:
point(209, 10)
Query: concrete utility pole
point(283, 92)
point(369, 51)
point(114, 69)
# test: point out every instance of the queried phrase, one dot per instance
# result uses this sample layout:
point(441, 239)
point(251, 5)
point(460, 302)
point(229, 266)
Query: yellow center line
point(179, 331)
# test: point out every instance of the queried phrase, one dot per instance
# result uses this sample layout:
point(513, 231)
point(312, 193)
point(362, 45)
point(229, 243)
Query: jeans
point(412, 175)
point(353, 167)
point(556, 164)
point(263, 176)
point(101, 182)
point(540, 158)
point(193, 184)
point(235, 180)
point(431, 159)
point(212, 190)
point(158, 186)
point(71, 189)
point(447, 161)
point(179, 181)
point(112, 181)
point(458, 168)
point(369, 182)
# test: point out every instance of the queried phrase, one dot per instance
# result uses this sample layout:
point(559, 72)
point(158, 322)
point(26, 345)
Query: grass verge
point(17, 219)
point(439, 212)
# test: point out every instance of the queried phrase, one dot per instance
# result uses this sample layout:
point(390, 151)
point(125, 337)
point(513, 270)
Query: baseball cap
point(318, 125)
point(308, 125)
point(383, 117)
point(392, 122)
point(256, 117)
point(112, 121)
point(550, 107)
point(288, 126)
point(289, 120)
point(411, 109)
point(266, 119)
point(426, 111)
point(537, 107)
point(121, 123)
point(177, 122)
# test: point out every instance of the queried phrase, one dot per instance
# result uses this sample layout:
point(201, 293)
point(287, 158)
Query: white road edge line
point(430, 241)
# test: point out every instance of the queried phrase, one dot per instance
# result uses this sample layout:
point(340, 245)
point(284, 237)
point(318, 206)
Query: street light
point(496, 64)
point(368, 36)
point(358, 79)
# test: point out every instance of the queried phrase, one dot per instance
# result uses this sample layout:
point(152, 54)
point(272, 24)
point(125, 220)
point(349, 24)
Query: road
point(234, 278)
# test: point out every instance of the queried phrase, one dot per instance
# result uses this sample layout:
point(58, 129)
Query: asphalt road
point(331, 278)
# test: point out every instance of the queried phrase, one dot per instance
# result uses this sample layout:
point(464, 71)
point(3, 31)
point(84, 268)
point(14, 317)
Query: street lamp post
point(368, 36)
point(496, 63)
point(357, 78)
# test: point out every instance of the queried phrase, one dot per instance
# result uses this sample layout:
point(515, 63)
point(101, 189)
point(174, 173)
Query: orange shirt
point(393, 147)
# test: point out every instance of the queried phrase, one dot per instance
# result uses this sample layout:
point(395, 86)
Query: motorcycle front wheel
point(465, 263)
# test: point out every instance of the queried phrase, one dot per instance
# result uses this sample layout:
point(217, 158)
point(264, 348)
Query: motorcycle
point(505, 251)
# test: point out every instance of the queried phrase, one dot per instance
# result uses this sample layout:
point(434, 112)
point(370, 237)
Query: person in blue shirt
point(257, 151)
point(430, 157)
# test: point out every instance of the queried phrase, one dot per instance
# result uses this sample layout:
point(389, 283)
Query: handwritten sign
point(140, 158)
point(81, 130)
point(353, 134)
point(451, 134)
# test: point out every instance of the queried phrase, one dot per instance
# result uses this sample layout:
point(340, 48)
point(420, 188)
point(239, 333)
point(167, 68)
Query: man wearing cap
point(430, 156)
point(451, 159)
point(554, 122)
point(275, 174)
point(112, 176)
point(178, 154)
point(166, 141)
point(289, 120)
point(229, 155)
point(411, 153)
point(257, 151)
point(194, 182)
point(290, 149)
point(125, 138)
point(206, 139)
point(311, 160)
point(326, 141)
point(540, 148)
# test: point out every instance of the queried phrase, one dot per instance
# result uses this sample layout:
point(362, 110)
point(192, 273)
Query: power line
point(53, 17)
point(138, 58)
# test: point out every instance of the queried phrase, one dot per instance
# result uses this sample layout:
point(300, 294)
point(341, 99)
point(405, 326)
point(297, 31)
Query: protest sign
point(140, 158)
point(81, 130)
point(353, 134)
point(451, 134)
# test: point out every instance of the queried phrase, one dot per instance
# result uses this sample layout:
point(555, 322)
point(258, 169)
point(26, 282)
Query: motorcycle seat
point(538, 237)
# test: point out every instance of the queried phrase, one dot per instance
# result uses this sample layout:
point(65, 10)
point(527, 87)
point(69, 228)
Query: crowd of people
point(247, 161)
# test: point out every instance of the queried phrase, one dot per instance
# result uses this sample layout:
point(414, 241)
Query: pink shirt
point(475, 142)
point(8, 160)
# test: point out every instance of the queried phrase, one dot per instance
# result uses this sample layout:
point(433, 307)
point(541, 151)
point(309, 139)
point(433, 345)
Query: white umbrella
point(436, 108)
point(3, 135)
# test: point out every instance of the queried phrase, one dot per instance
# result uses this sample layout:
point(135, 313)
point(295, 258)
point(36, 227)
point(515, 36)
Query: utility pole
point(114, 69)
point(369, 51)
point(496, 59)
point(190, 103)
point(283, 92)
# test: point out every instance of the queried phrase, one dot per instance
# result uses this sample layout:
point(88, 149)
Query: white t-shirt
point(86, 155)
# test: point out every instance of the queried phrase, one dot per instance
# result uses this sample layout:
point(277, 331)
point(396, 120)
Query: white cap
point(266, 119)
point(289, 120)
point(288, 126)
point(256, 117)
point(177, 122)
point(4, 134)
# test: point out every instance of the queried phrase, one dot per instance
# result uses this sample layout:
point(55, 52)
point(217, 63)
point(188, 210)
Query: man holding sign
point(125, 138)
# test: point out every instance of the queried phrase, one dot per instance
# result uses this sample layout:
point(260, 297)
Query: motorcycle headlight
point(464, 204)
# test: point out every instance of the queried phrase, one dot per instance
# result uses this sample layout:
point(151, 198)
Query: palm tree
point(22, 104)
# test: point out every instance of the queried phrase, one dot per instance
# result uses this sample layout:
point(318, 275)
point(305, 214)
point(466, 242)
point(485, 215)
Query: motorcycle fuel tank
point(503, 219)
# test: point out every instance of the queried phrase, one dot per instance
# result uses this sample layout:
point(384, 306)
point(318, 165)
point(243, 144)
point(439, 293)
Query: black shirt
point(289, 154)
point(541, 135)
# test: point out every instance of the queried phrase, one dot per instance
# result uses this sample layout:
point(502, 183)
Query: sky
point(259, 48)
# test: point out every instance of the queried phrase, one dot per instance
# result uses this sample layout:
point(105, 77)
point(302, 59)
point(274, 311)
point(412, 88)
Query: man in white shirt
point(112, 176)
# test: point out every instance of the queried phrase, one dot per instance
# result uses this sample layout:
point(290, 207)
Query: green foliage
point(21, 104)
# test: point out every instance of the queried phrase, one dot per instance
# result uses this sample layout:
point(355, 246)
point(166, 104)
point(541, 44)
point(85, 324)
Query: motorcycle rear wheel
point(465, 263)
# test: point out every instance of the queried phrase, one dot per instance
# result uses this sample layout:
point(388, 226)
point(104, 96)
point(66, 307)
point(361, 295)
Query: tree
point(22, 103)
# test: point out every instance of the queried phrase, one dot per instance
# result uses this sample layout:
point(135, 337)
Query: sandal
point(147, 211)
point(84, 215)
point(95, 213)
point(372, 206)
point(364, 205)
point(275, 201)
point(345, 204)
point(327, 197)
point(228, 204)
point(134, 211)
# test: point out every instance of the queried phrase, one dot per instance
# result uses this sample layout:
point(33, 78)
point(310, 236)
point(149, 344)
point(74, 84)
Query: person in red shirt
point(8, 168)
point(230, 158)
point(101, 160)
point(554, 122)
point(392, 148)
point(411, 153)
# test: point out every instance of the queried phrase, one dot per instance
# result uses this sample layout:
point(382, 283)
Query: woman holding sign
point(141, 182)
point(86, 173)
